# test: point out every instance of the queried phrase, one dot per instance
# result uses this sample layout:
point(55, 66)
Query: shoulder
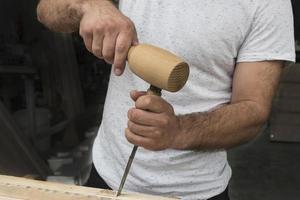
point(273, 6)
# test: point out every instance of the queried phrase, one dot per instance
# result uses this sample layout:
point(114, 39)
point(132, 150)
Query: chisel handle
point(153, 90)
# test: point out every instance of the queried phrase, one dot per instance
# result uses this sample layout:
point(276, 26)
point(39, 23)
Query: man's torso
point(208, 35)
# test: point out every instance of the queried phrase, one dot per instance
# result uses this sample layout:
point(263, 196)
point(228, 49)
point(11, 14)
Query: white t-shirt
point(211, 35)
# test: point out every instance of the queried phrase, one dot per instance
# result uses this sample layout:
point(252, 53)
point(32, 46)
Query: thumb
point(136, 94)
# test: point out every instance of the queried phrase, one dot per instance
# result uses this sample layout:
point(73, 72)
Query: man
point(235, 49)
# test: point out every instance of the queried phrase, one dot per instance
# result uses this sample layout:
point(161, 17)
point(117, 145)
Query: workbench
point(14, 188)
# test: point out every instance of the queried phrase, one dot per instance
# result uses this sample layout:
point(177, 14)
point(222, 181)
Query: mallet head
point(158, 67)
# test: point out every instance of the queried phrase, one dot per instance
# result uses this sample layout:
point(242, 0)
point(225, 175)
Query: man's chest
point(194, 29)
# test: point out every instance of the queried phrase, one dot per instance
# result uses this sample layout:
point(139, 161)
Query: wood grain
point(13, 188)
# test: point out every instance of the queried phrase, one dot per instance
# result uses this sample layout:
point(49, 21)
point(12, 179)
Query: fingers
point(138, 140)
point(108, 51)
point(88, 42)
point(86, 32)
point(136, 94)
point(143, 117)
point(108, 34)
point(145, 131)
point(153, 104)
point(121, 51)
point(97, 45)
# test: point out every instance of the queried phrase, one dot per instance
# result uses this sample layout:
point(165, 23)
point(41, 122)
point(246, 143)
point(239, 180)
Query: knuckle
point(152, 129)
point(99, 27)
point(121, 48)
point(110, 25)
point(130, 125)
point(105, 53)
point(85, 31)
point(134, 115)
point(139, 141)
point(129, 113)
point(128, 135)
point(147, 100)
point(127, 25)
point(157, 133)
point(108, 56)
point(164, 121)
point(96, 50)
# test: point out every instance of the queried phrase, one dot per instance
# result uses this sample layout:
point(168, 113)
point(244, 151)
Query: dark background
point(296, 8)
point(52, 93)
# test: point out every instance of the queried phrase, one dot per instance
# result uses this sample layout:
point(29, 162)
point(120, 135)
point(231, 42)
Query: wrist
point(179, 141)
point(87, 6)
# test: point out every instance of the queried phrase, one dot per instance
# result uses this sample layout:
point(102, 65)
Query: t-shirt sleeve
point(271, 36)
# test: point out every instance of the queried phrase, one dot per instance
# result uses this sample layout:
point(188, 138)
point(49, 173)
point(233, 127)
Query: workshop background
point(52, 93)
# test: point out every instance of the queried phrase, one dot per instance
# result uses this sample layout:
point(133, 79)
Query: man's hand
point(152, 123)
point(107, 33)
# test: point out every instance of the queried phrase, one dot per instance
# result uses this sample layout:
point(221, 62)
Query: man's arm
point(62, 15)
point(106, 32)
point(254, 85)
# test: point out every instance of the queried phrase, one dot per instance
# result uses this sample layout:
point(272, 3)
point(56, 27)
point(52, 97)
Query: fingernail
point(118, 72)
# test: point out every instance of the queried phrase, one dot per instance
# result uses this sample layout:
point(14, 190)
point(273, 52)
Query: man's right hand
point(107, 33)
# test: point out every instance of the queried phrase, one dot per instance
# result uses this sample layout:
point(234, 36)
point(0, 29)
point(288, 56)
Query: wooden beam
point(14, 188)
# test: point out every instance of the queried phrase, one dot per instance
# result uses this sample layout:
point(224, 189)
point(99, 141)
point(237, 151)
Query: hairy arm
point(106, 32)
point(63, 15)
point(153, 124)
point(240, 121)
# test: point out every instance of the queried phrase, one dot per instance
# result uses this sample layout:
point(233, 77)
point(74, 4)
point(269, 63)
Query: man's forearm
point(223, 128)
point(65, 15)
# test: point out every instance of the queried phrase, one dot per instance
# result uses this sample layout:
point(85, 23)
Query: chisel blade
point(131, 157)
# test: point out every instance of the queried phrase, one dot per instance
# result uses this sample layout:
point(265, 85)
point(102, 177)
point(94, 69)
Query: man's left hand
point(152, 124)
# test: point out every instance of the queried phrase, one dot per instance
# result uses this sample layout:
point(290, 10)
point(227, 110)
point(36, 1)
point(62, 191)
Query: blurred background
point(52, 92)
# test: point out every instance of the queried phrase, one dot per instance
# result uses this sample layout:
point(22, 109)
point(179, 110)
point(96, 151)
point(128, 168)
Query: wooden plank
point(7, 198)
point(25, 189)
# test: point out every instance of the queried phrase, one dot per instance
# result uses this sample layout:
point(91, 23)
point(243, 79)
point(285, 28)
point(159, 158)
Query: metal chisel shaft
point(131, 157)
